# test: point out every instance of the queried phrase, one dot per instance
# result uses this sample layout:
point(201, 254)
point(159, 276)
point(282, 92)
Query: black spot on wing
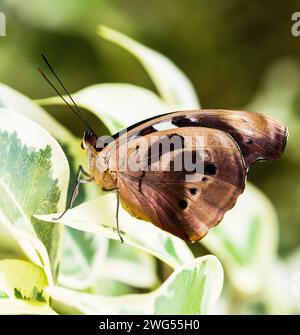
point(182, 203)
point(146, 131)
point(183, 121)
point(210, 169)
point(193, 191)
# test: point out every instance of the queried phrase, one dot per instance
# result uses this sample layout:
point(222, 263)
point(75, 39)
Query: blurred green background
point(238, 54)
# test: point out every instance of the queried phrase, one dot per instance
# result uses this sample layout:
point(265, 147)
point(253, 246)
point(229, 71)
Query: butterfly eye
point(249, 141)
point(182, 204)
point(137, 147)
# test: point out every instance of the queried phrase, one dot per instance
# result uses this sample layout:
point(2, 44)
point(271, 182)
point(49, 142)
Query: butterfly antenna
point(77, 110)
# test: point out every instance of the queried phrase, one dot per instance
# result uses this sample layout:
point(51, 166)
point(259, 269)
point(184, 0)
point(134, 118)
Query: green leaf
point(246, 240)
point(9, 246)
point(34, 177)
point(191, 289)
point(11, 99)
point(117, 105)
point(172, 84)
point(22, 280)
point(17, 102)
point(83, 254)
point(98, 216)
point(22, 287)
point(128, 265)
point(93, 262)
point(20, 307)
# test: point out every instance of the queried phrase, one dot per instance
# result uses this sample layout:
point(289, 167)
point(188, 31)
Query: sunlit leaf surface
point(191, 289)
point(22, 288)
point(98, 216)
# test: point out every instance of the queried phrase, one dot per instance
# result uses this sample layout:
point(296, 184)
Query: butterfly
point(185, 202)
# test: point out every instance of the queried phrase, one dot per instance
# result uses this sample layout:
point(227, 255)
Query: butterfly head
point(89, 140)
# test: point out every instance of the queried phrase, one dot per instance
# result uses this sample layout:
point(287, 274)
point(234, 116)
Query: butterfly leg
point(117, 216)
point(76, 188)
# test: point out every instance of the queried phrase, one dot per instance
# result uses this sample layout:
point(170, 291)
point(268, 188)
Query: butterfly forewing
point(181, 200)
point(259, 137)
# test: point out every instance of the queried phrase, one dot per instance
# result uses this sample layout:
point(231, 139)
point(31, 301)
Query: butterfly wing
point(184, 202)
point(233, 140)
point(259, 137)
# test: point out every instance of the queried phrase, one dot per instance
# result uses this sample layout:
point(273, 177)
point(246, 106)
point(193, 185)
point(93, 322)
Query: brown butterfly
point(171, 198)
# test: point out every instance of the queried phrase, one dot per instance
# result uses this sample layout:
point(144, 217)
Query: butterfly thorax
point(105, 178)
